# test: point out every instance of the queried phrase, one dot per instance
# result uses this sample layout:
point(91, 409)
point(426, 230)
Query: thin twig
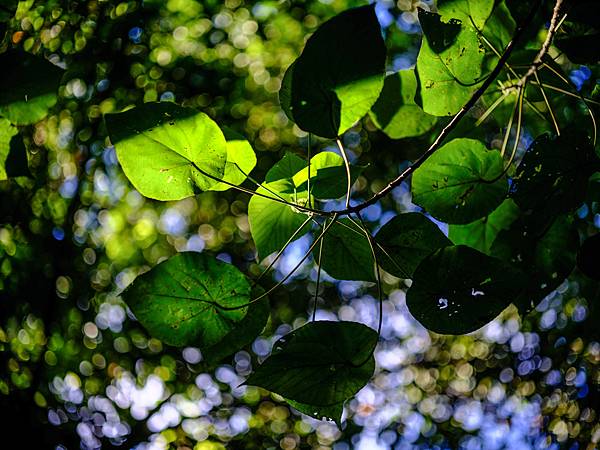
point(348, 175)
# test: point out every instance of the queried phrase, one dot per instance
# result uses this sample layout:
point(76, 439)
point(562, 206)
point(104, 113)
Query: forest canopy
point(300, 224)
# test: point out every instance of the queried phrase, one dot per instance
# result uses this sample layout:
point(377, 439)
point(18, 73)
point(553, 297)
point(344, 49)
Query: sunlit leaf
point(30, 84)
point(461, 182)
point(404, 241)
point(396, 112)
point(273, 223)
point(553, 175)
point(347, 253)
point(241, 159)
point(467, 11)
point(457, 290)
point(481, 234)
point(449, 65)
point(13, 156)
point(328, 176)
point(189, 299)
point(320, 364)
point(164, 149)
point(338, 76)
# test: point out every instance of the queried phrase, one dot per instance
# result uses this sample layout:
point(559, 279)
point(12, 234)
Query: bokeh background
point(76, 371)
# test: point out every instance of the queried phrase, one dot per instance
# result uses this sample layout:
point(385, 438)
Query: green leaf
point(163, 149)
point(346, 253)
point(587, 258)
point(13, 156)
point(500, 28)
point(553, 175)
point(338, 76)
point(273, 223)
point(244, 331)
point(320, 364)
point(185, 299)
point(457, 290)
point(29, 87)
point(405, 240)
point(467, 11)
point(330, 412)
point(328, 178)
point(449, 65)
point(545, 251)
point(481, 234)
point(579, 35)
point(460, 182)
point(395, 112)
point(241, 159)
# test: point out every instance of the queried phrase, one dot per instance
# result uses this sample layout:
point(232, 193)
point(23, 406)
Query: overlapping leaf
point(168, 152)
point(13, 156)
point(320, 364)
point(404, 241)
point(396, 112)
point(30, 84)
point(449, 65)
point(457, 290)
point(190, 299)
point(461, 182)
point(338, 76)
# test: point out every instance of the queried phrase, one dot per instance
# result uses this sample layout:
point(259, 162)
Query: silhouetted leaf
point(545, 251)
point(347, 253)
point(320, 364)
point(13, 156)
point(481, 234)
point(587, 258)
point(449, 65)
point(163, 149)
point(457, 290)
point(330, 412)
point(273, 223)
point(241, 159)
point(460, 182)
point(396, 112)
point(338, 76)
point(553, 176)
point(579, 35)
point(30, 84)
point(188, 299)
point(405, 240)
point(328, 176)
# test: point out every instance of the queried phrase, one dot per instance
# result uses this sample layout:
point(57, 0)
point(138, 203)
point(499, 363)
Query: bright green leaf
point(346, 253)
point(474, 12)
point(404, 241)
point(395, 112)
point(457, 290)
point(241, 159)
point(321, 364)
point(460, 182)
point(328, 176)
point(167, 151)
point(189, 299)
point(338, 76)
point(481, 234)
point(449, 65)
point(273, 223)
point(29, 87)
